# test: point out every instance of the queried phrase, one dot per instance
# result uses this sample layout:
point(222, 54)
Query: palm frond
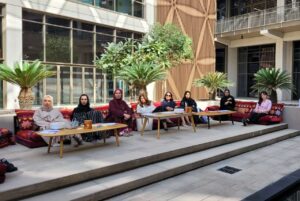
point(25, 74)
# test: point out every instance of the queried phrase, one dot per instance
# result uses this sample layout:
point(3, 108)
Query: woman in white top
point(144, 106)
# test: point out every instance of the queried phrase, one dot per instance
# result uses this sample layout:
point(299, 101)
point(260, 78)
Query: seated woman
point(227, 102)
point(84, 112)
point(46, 115)
point(187, 101)
point(144, 106)
point(167, 104)
point(262, 108)
point(120, 112)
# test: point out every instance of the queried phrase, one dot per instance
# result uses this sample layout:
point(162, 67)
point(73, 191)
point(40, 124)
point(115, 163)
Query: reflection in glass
point(32, 41)
point(123, 6)
point(88, 1)
point(37, 90)
point(58, 44)
point(110, 87)
point(83, 26)
point(1, 47)
point(65, 94)
point(102, 42)
point(89, 83)
point(1, 94)
point(77, 84)
point(296, 70)
point(99, 86)
point(51, 86)
point(28, 15)
point(57, 21)
point(82, 47)
point(108, 4)
point(138, 10)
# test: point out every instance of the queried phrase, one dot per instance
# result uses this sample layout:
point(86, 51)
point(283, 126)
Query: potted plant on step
point(25, 75)
point(271, 79)
point(213, 81)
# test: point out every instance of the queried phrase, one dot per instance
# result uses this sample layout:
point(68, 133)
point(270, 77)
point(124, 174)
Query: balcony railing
point(260, 18)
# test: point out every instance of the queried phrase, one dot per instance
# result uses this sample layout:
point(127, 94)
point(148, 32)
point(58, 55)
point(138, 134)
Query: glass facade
point(250, 60)
point(74, 45)
point(239, 7)
point(296, 70)
point(1, 59)
point(132, 7)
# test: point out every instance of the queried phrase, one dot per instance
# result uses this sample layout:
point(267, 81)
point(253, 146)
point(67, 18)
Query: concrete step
point(110, 186)
point(70, 176)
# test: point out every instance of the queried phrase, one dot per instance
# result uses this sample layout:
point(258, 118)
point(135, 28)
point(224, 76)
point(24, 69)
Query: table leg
point(144, 125)
point(104, 137)
point(231, 119)
point(61, 151)
point(193, 123)
point(208, 122)
point(49, 144)
point(220, 118)
point(178, 122)
point(117, 137)
point(158, 128)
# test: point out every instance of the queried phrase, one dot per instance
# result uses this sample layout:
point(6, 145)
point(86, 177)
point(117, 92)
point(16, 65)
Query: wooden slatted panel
point(196, 18)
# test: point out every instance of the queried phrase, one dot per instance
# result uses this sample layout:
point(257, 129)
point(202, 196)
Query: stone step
point(110, 186)
point(71, 175)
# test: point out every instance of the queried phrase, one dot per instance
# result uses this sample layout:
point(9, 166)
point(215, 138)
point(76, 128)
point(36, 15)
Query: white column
point(284, 62)
point(232, 69)
point(12, 45)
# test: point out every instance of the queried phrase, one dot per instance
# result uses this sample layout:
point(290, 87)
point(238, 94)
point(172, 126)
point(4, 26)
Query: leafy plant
point(213, 81)
point(271, 79)
point(25, 75)
point(146, 61)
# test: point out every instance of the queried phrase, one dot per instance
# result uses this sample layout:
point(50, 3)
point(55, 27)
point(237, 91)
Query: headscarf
point(118, 100)
point(83, 108)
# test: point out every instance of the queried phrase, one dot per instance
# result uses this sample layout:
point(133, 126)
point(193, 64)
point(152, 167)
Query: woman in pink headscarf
point(119, 111)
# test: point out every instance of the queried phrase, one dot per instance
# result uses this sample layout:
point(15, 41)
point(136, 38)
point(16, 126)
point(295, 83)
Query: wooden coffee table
point(215, 113)
point(165, 115)
point(81, 130)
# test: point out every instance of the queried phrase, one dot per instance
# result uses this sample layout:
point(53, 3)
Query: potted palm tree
point(25, 75)
point(271, 79)
point(213, 81)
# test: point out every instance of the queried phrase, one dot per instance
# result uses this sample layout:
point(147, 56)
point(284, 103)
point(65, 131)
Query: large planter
point(26, 98)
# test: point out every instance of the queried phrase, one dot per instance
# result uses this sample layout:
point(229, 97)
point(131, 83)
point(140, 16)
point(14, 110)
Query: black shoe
point(9, 166)
point(244, 122)
point(165, 126)
point(78, 141)
point(67, 141)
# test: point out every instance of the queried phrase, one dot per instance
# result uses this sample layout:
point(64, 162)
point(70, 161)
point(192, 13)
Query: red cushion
point(29, 135)
point(24, 118)
point(2, 169)
point(6, 137)
point(66, 112)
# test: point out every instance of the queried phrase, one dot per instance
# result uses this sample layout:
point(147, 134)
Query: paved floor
point(259, 169)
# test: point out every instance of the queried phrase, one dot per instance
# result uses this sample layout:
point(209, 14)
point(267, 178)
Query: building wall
point(12, 27)
point(196, 19)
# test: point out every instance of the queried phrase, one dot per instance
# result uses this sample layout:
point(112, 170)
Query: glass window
point(83, 47)
point(108, 4)
point(105, 30)
point(102, 42)
point(58, 21)
point(58, 44)
point(28, 15)
point(32, 41)
point(138, 9)
point(88, 1)
point(110, 87)
point(137, 36)
point(1, 45)
point(83, 26)
point(124, 6)
point(99, 86)
point(51, 86)
point(1, 94)
point(38, 93)
point(77, 84)
point(296, 70)
point(220, 60)
point(89, 83)
point(250, 60)
point(65, 85)
point(122, 35)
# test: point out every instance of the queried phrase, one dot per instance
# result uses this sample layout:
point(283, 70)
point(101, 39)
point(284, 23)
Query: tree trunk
point(26, 98)
point(212, 95)
point(273, 96)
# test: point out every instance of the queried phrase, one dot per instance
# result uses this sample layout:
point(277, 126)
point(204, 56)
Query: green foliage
point(25, 74)
point(146, 61)
point(213, 81)
point(270, 79)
